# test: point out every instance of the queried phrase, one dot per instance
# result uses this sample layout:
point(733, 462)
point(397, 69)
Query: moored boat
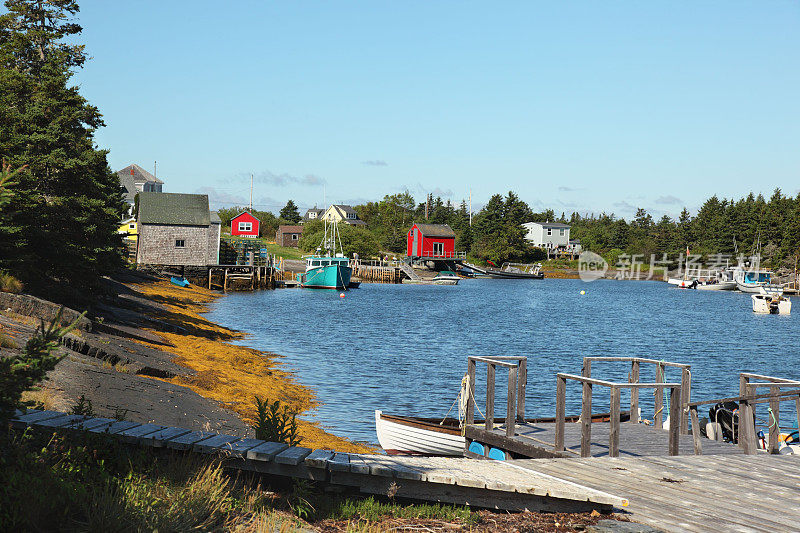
point(446, 277)
point(327, 269)
point(771, 302)
point(408, 435)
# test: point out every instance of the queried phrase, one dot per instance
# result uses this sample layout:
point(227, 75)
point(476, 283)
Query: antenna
point(251, 191)
point(155, 168)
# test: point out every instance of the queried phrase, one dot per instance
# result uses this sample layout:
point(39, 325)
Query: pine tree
point(61, 222)
point(290, 213)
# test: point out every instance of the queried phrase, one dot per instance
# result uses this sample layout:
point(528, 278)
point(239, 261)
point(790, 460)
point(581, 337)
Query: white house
point(552, 236)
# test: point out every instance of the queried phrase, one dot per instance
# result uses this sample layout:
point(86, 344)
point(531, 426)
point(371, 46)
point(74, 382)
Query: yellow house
point(129, 228)
point(343, 213)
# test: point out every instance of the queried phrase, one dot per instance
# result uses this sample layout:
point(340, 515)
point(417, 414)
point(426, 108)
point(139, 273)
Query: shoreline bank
point(231, 374)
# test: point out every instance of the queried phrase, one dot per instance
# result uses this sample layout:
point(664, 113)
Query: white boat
point(446, 277)
point(716, 285)
point(770, 301)
point(399, 435)
point(752, 281)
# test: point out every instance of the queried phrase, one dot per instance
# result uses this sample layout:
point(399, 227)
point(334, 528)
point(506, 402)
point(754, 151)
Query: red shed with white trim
point(431, 240)
point(245, 225)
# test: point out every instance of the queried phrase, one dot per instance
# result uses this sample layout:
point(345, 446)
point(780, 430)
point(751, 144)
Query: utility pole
point(155, 169)
point(470, 206)
point(251, 192)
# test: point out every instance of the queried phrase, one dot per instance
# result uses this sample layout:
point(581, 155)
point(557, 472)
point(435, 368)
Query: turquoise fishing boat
point(327, 269)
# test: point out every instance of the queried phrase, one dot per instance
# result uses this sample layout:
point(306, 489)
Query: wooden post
point(561, 402)
point(747, 431)
point(521, 389)
point(686, 397)
point(674, 419)
point(658, 416)
point(209, 277)
point(225, 282)
point(613, 432)
point(586, 371)
point(471, 392)
point(797, 410)
point(742, 389)
point(586, 420)
point(696, 436)
point(635, 365)
point(774, 428)
point(511, 403)
point(490, 372)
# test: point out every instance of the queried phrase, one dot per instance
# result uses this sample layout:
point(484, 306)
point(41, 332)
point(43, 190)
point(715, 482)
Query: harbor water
point(403, 348)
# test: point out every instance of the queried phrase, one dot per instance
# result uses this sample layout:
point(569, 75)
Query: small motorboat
point(409, 435)
point(771, 301)
point(179, 281)
point(446, 277)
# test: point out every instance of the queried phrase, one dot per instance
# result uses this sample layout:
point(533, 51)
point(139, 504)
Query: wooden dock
point(488, 484)
point(693, 493)
point(636, 440)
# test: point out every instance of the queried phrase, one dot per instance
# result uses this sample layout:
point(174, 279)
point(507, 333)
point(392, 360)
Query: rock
point(24, 304)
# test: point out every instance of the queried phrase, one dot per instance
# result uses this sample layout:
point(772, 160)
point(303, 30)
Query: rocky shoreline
point(150, 356)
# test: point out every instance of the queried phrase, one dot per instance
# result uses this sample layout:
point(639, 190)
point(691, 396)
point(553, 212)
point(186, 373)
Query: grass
point(7, 342)
point(283, 251)
point(91, 482)
point(9, 283)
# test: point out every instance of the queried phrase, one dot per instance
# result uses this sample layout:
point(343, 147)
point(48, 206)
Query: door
point(415, 244)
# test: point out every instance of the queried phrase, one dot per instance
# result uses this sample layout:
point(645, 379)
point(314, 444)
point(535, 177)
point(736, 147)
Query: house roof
point(290, 229)
point(139, 174)
point(174, 209)
point(128, 187)
point(436, 230)
point(248, 213)
point(315, 210)
point(344, 209)
point(214, 217)
point(550, 224)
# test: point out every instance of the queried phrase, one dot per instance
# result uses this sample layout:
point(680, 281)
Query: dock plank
point(292, 456)
point(266, 451)
point(59, 421)
point(318, 458)
point(91, 423)
point(138, 432)
point(215, 443)
point(239, 448)
point(188, 440)
point(340, 462)
point(115, 428)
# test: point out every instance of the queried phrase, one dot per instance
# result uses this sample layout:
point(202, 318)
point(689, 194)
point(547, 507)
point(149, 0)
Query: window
point(315, 263)
point(438, 248)
point(132, 226)
point(180, 243)
point(245, 226)
point(351, 215)
point(294, 236)
point(561, 232)
point(549, 231)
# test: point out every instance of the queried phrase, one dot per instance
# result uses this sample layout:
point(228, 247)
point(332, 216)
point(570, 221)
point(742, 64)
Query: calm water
point(403, 348)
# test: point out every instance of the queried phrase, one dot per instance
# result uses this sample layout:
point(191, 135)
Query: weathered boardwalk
point(538, 440)
point(693, 493)
point(487, 484)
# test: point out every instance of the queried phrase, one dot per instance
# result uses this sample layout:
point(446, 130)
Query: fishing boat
point(328, 269)
point(510, 271)
point(752, 281)
point(446, 277)
point(409, 435)
point(771, 301)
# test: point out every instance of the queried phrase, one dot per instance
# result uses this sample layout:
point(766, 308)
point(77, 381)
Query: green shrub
point(83, 407)
point(9, 283)
point(276, 423)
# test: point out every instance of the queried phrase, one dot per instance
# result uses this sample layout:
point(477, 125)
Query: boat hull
point(403, 437)
point(721, 286)
point(327, 277)
point(764, 305)
point(752, 288)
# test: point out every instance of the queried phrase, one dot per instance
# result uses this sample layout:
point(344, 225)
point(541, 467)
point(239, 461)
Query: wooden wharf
point(494, 485)
point(377, 271)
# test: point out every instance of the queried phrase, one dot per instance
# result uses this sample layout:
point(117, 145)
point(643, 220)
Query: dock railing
point(613, 435)
point(748, 399)
point(517, 382)
point(633, 377)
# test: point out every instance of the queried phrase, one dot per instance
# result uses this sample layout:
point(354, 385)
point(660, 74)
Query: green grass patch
point(372, 510)
point(284, 251)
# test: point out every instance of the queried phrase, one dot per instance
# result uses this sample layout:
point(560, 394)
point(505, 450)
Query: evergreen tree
point(290, 213)
point(61, 223)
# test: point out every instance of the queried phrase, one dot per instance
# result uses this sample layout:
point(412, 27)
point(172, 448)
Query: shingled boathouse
point(177, 230)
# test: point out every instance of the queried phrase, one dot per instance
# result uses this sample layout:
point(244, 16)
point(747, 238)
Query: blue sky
point(587, 106)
